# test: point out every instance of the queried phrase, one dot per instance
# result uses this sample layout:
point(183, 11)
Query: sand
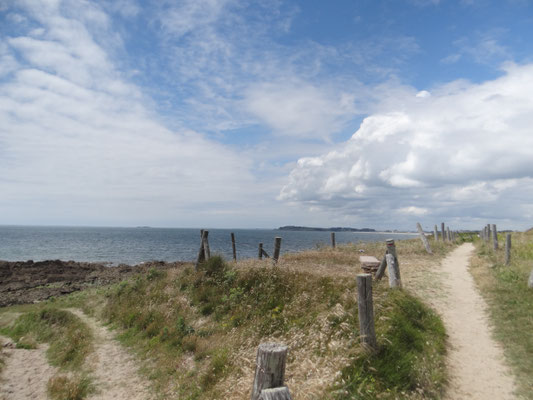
point(475, 361)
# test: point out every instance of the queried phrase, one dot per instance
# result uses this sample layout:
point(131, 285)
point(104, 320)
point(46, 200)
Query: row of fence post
point(489, 234)
point(204, 253)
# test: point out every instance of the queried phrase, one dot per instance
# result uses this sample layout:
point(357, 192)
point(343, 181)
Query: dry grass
point(197, 332)
point(510, 302)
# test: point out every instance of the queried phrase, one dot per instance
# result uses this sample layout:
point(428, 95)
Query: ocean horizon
point(135, 245)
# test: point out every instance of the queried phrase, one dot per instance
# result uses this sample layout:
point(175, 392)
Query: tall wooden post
point(443, 232)
point(423, 237)
point(269, 368)
point(489, 233)
point(448, 236)
point(277, 248)
point(394, 272)
point(333, 239)
point(494, 237)
point(436, 233)
point(366, 311)
point(507, 249)
point(260, 254)
point(530, 281)
point(201, 252)
point(233, 247)
point(205, 244)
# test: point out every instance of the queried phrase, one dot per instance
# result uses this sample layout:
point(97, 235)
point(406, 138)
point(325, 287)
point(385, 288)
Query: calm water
point(135, 245)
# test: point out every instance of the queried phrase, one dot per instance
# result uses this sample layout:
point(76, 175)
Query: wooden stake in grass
point(530, 281)
point(423, 237)
point(205, 244)
point(269, 368)
point(391, 249)
point(488, 233)
point(443, 232)
point(201, 252)
point(448, 234)
point(277, 248)
point(436, 233)
point(333, 239)
point(234, 248)
point(394, 272)
point(507, 249)
point(494, 237)
point(366, 311)
point(260, 254)
point(281, 393)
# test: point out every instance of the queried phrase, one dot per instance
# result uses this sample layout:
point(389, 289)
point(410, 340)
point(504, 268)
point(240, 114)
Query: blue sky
point(223, 113)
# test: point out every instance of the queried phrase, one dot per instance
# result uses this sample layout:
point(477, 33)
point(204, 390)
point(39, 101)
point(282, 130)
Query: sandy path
point(25, 374)
point(114, 370)
point(475, 361)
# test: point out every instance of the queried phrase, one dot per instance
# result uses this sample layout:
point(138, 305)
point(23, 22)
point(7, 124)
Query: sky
point(258, 114)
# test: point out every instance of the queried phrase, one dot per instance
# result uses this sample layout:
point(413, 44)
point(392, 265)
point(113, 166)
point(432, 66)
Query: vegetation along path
point(115, 371)
point(475, 362)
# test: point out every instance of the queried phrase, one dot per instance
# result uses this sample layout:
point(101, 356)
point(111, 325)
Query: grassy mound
point(211, 318)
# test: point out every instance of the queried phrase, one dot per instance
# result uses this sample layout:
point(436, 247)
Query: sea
point(133, 246)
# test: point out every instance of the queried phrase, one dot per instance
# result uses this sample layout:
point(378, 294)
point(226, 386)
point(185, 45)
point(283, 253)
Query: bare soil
point(476, 363)
point(26, 372)
point(114, 369)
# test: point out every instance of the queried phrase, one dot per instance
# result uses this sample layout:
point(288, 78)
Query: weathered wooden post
point(530, 281)
point(277, 248)
point(233, 247)
point(436, 233)
point(260, 254)
point(391, 249)
point(489, 233)
point(333, 239)
point(507, 249)
point(269, 368)
point(366, 311)
point(394, 272)
point(443, 232)
point(205, 244)
point(448, 235)
point(201, 252)
point(494, 237)
point(423, 237)
point(281, 393)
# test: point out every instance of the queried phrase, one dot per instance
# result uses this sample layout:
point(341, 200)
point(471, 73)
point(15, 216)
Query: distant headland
point(334, 229)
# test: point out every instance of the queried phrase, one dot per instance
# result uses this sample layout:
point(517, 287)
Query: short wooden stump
point(369, 264)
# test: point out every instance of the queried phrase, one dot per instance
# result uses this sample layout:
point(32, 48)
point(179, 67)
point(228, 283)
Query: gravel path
point(475, 362)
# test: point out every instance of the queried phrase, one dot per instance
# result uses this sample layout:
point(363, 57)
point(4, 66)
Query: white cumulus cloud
point(465, 151)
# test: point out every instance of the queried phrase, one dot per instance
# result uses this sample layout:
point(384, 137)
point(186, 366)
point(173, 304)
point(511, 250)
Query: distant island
point(334, 229)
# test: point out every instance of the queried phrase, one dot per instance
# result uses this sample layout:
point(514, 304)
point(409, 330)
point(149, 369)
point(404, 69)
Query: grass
point(510, 302)
point(70, 342)
point(409, 359)
point(64, 387)
point(196, 332)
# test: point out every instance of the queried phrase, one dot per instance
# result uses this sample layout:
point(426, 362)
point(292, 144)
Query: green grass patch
point(510, 301)
point(63, 387)
point(410, 355)
point(69, 338)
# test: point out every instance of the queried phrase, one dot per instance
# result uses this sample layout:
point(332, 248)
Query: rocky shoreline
point(29, 282)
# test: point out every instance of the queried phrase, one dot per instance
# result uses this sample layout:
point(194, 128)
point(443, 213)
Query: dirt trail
point(114, 370)
point(25, 374)
point(475, 361)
